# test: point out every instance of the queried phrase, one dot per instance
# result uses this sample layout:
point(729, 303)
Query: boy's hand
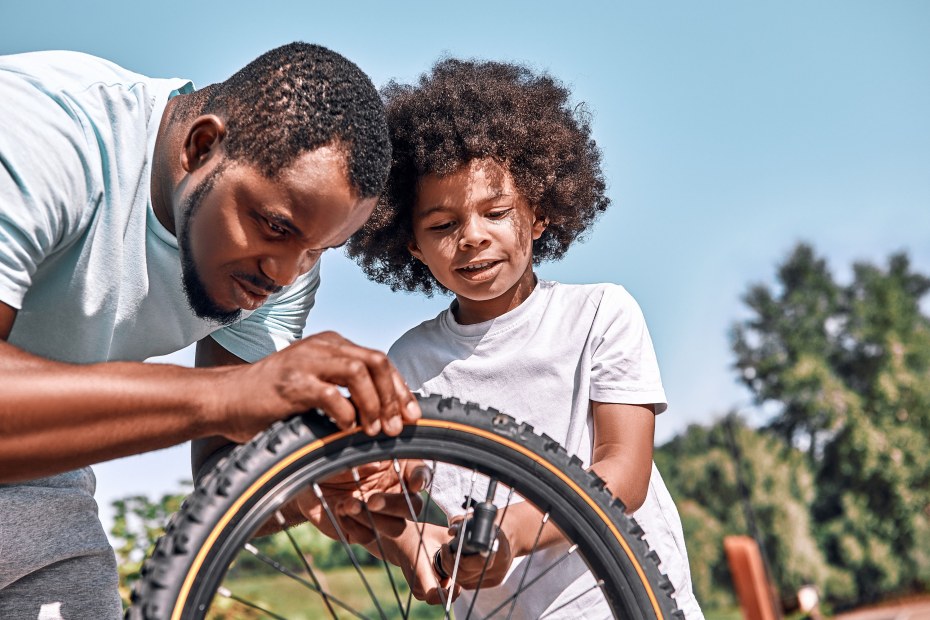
point(471, 569)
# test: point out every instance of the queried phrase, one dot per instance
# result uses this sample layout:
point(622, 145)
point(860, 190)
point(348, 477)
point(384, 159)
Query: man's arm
point(55, 416)
point(7, 316)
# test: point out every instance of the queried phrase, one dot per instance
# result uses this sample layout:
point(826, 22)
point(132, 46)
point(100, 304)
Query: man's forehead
point(326, 224)
point(324, 165)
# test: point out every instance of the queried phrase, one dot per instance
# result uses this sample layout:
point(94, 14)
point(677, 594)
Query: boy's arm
point(622, 456)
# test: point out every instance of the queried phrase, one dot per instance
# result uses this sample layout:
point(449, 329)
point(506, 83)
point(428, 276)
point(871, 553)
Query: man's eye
point(280, 231)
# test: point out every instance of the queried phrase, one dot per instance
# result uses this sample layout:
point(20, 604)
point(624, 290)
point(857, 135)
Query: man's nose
point(285, 267)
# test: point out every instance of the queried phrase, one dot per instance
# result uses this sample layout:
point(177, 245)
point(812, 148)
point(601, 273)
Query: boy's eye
point(498, 213)
point(440, 226)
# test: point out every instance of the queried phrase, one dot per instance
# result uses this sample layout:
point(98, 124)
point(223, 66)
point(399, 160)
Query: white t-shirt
point(543, 363)
point(93, 274)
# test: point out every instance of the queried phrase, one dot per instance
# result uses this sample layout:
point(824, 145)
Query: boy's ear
point(414, 249)
point(539, 226)
point(203, 139)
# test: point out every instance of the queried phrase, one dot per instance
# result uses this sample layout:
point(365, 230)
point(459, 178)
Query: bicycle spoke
point(286, 571)
point(345, 543)
point(226, 593)
point(487, 560)
point(597, 586)
point(513, 597)
point(420, 530)
point(303, 558)
point(371, 523)
point(461, 545)
point(413, 517)
point(529, 560)
point(421, 545)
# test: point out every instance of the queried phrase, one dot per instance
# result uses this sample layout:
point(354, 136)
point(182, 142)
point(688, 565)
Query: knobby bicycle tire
point(185, 570)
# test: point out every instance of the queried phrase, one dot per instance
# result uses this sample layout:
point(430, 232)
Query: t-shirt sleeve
point(45, 183)
point(277, 324)
point(624, 368)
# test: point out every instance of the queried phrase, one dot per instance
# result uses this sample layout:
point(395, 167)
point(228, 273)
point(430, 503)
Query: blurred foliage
point(848, 368)
point(137, 523)
point(839, 478)
point(701, 472)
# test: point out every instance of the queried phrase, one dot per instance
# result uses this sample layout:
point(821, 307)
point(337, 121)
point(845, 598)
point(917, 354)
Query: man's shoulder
point(69, 69)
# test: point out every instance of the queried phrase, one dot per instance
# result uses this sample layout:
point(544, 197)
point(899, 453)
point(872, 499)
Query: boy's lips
point(477, 266)
point(478, 270)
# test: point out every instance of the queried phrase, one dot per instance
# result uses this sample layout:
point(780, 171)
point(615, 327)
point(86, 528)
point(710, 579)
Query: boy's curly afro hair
point(464, 110)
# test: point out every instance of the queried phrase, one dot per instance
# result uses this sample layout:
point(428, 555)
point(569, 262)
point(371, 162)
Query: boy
point(492, 173)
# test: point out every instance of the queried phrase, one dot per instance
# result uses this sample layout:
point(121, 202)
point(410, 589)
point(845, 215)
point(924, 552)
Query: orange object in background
point(750, 578)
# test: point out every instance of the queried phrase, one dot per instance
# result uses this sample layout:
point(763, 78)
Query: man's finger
point(356, 531)
point(417, 475)
point(363, 527)
point(353, 373)
point(325, 395)
point(410, 406)
point(395, 504)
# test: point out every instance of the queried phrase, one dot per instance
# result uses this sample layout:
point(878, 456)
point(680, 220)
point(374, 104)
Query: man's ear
point(414, 249)
point(539, 226)
point(203, 140)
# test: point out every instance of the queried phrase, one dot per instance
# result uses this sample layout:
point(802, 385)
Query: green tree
point(713, 485)
point(847, 370)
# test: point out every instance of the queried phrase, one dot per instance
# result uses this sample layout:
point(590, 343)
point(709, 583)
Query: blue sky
point(730, 131)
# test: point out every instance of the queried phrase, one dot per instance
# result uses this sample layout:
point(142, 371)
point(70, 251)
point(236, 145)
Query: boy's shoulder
point(415, 336)
point(597, 293)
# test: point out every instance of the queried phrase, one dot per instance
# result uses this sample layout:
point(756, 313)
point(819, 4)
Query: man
point(137, 216)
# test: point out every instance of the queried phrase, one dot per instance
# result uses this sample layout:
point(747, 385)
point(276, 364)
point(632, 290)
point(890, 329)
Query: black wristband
point(437, 565)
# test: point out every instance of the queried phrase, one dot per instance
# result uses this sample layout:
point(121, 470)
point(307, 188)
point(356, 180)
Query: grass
point(733, 613)
point(295, 601)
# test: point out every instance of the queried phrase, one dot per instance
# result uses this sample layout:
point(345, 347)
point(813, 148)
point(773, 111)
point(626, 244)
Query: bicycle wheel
point(209, 564)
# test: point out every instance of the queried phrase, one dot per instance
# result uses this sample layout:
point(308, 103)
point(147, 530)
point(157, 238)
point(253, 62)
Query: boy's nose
point(474, 233)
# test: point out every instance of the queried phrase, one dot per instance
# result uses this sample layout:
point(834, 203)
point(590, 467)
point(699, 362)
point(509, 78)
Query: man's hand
point(425, 584)
point(414, 556)
point(310, 374)
point(375, 499)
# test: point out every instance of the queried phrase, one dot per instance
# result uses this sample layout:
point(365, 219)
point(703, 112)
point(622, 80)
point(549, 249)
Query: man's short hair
point(297, 98)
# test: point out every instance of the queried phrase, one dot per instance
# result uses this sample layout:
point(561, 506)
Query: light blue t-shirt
point(95, 277)
point(93, 273)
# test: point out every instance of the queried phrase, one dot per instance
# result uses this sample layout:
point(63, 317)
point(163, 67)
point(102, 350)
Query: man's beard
point(198, 299)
